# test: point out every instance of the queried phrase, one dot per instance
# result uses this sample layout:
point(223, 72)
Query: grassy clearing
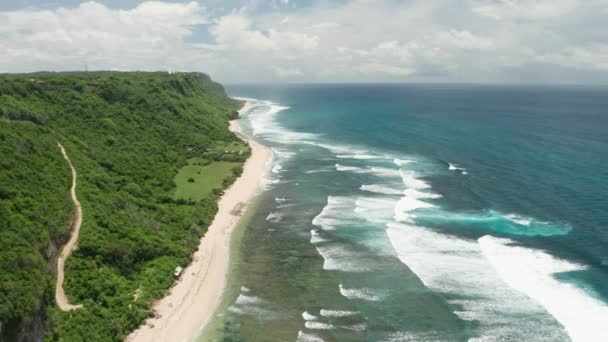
point(197, 180)
point(227, 151)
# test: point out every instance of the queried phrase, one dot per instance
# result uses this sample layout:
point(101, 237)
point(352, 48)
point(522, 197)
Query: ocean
point(424, 213)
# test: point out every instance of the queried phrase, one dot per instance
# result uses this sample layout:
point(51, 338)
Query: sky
point(285, 41)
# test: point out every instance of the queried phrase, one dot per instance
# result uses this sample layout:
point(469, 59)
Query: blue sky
point(477, 41)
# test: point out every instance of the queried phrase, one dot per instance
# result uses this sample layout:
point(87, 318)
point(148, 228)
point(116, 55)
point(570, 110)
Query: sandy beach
point(196, 295)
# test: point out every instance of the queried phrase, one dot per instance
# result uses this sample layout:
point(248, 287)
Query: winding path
point(60, 297)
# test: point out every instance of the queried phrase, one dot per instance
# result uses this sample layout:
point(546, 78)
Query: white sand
point(195, 297)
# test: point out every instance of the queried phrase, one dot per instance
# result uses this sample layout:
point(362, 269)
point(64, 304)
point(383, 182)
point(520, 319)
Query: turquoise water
point(425, 213)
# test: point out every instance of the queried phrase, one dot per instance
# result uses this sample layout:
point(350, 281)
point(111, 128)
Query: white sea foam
point(277, 168)
point(363, 293)
point(244, 299)
point(454, 167)
point(282, 153)
point(274, 217)
point(411, 180)
point(308, 316)
point(247, 304)
point(375, 210)
point(381, 189)
point(357, 156)
point(377, 171)
point(262, 118)
point(313, 325)
point(521, 220)
point(333, 214)
point(532, 272)
point(349, 168)
point(338, 313)
point(385, 172)
point(407, 336)
point(316, 171)
point(412, 197)
point(315, 237)
point(266, 182)
point(280, 199)
point(338, 257)
point(306, 337)
point(401, 162)
point(355, 327)
point(410, 202)
point(456, 266)
point(340, 149)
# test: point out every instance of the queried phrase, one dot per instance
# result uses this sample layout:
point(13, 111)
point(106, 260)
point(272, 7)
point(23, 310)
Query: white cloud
point(463, 40)
point(288, 72)
point(524, 9)
point(378, 68)
point(593, 57)
point(394, 49)
point(349, 40)
point(235, 31)
point(57, 39)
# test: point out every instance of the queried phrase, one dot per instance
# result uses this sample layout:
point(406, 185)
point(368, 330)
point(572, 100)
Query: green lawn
point(230, 147)
point(207, 176)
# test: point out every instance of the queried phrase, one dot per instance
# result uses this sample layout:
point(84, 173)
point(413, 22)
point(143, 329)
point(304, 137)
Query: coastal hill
point(152, 152)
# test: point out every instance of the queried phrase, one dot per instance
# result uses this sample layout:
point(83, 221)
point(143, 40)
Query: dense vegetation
point(128, 135)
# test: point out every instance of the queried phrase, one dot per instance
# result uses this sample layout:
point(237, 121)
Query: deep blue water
point(435, 212)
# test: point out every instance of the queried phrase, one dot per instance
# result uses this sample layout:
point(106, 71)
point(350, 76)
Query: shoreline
point(195, 297)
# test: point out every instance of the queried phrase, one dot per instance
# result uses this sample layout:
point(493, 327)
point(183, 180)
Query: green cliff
point(128, 135)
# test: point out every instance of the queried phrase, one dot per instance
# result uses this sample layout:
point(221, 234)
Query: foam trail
point(381, 189)
point(252, 305)
point(363, 294)
point(308, 316)
point(338, 313)
point(411, 180)
point(274, 217)
point(532, 272)
point(315, 237)
point(458, 268)
point(385, 172)
point(355, 169)
point(305, 337)
point(454, 167)
point(262, 118)
point(342, 149)
point(411, 201)
point(267, 183)
point(375, 210)
point(401, 162)
point(333, 214)
point(355, 327)
point(524, 221)
point(357, 156)
point(337, 257)
point(277, 168)
point(313, 325)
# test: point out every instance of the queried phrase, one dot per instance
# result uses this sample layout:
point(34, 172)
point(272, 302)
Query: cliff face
point(127, 134)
